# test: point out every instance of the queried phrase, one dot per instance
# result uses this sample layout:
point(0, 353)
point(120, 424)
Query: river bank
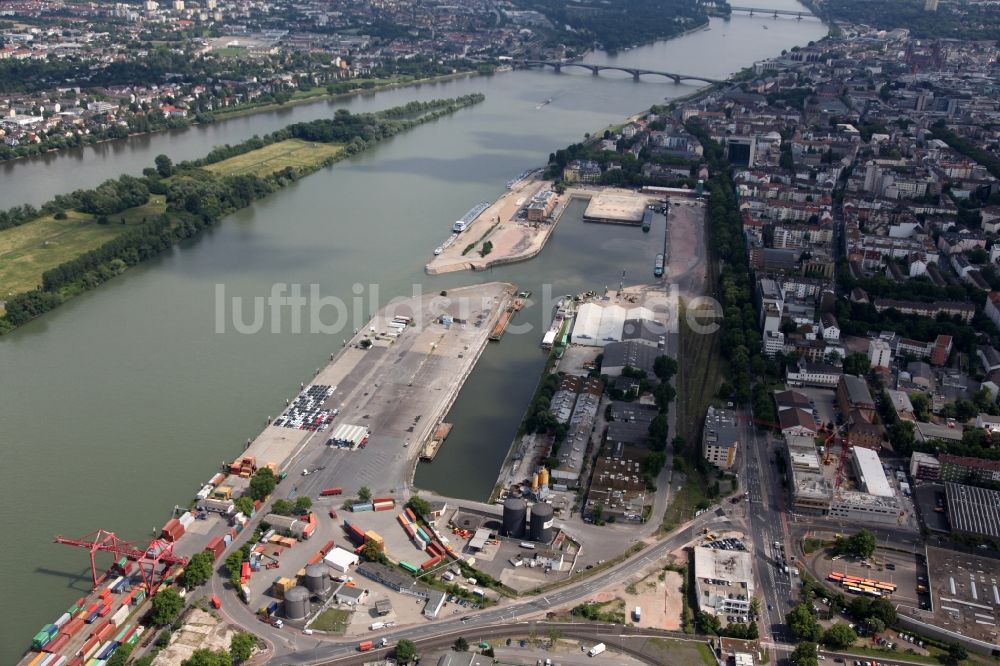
point(176, 396)
point(245, 110)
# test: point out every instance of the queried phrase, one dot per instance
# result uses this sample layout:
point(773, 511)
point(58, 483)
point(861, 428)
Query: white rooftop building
point(340, 560)
point(723, 580)
point(871, 476)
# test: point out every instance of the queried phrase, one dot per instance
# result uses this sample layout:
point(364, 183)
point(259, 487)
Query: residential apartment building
point(720, 439)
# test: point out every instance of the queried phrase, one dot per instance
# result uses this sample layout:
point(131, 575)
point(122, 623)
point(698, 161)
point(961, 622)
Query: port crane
point(154, 562)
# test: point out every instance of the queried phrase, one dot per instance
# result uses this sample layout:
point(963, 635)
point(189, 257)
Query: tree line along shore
point(103, 231)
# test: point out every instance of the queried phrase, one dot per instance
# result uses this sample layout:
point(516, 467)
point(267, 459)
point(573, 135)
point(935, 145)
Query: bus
point(870, 591)
point(836, 577)
point(886, 587)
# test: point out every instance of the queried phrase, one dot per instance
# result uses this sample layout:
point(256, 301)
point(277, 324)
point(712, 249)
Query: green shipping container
point(40, 640)
point(121, 634)
point(133, 640)
point(72, 609)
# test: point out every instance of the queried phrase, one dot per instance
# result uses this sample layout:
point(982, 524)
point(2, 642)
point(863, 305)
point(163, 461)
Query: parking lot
point(307, 412)
point(824, 403)
point(728, 543)
point(889, 566)
point(928, 497)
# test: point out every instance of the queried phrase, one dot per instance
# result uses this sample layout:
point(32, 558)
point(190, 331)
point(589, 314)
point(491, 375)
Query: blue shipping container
point(108, 650)
point(362, 507)
point(92, 617)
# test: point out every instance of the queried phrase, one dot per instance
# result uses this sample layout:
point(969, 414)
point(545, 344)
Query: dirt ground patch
point(660, 600)
point(200, 630)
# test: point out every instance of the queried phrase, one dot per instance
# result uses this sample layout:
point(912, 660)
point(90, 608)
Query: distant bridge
point(597, 69)
point(799, 15)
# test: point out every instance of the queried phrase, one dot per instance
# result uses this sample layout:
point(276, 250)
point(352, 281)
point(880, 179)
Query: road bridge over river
point(559, 65)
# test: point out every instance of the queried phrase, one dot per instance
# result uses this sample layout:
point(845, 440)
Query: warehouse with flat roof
point(973, 510)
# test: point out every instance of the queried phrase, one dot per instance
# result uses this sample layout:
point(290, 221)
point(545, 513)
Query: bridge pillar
point(635, 76)
point(557, 67)
point(594, 71)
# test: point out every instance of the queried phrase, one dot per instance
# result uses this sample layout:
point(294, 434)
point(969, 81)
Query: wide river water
point(119, 404)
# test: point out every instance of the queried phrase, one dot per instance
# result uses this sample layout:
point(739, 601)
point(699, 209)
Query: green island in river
point(77, 241)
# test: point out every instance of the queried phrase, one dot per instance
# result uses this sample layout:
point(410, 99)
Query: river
point(122, 402)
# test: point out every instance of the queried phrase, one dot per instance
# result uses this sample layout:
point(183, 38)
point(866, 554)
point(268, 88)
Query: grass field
point(275, 157)
point(31, 249)
point(332, 620)
point(673, 651)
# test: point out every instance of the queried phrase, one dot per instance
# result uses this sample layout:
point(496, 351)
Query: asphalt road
point(290, 646)
point(766, 526)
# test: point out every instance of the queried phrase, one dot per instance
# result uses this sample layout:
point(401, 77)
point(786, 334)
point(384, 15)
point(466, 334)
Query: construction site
point(832, 470)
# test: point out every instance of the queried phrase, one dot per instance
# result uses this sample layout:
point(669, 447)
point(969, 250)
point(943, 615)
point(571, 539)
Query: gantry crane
point(154, 562)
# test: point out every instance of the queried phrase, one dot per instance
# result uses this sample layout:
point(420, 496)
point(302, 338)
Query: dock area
point(512, 236)
point(394, 380)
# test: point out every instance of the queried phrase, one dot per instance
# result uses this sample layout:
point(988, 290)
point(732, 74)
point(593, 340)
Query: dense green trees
point(420, 506)
point(862, 544)
point(206, 657)
point(241, 647)
point(803, 623)
point(164, 165)
point(262, 484)
point(167, 605)
point(805, 654)
point(839, 636)
point(282, 507)
point(405, 651)
point(244, 505)
point(964, 21)
point(615, 26)
point(198, 570)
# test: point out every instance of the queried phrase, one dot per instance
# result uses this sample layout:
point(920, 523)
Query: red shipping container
point(173, 530)
point(412, 516)
point(104, 610)
point(57, 644)
point(107, 630)
point(386, 498)
point(430, 563)
point(91, 642)
point(329, 492)
point(245, 570)
point(216, 546)
point(75, 661)
point(81, 601)
point(72, 627)
point(327, 548)
point(92, 607)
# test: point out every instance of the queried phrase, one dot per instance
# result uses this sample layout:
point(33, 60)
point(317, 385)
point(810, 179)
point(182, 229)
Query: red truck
point(365, 646)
